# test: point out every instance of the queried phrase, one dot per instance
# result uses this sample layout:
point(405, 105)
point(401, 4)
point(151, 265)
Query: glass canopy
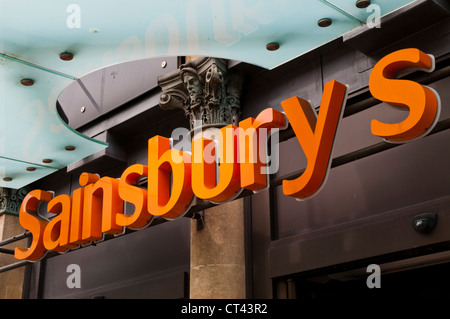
point(35, 142)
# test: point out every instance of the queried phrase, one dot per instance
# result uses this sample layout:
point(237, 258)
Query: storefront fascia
point(295, 245)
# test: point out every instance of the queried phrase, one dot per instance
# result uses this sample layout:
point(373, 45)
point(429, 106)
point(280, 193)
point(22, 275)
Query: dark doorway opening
point(424, 283)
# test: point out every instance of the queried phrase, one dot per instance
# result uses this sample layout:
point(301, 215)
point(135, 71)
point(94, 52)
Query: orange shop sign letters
point(175, 177)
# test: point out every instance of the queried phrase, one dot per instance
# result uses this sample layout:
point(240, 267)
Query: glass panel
point(16, 174)
point(381, 7)
point(31, 131)
point(99, 33)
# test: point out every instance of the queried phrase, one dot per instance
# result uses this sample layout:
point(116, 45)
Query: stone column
point(11, 281)
point(218, 255)
point(209, 94)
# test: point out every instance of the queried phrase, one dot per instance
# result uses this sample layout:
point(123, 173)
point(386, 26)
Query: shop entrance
point(414, 279)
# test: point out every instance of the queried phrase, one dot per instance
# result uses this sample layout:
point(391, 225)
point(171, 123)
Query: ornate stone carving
point(11, 199)
point(206, 90)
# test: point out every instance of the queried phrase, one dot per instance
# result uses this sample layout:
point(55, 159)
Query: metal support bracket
point(6, 251)
point(200, 217)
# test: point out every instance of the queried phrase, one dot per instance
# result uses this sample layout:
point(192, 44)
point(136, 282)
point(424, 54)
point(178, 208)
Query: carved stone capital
point(206, 90)
point(11, 199)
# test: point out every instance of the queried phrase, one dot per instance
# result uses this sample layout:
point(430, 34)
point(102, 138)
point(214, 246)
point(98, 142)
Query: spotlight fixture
point(424, 223)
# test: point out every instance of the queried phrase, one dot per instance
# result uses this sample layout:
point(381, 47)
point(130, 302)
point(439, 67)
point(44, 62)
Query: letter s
point(131, 193)
point(423, 102)
point(29, 219)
